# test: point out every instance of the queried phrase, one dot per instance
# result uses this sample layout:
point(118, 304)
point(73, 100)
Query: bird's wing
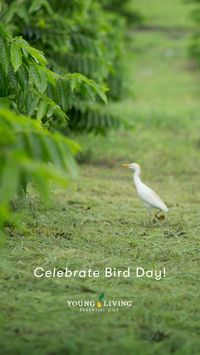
point(151, 198)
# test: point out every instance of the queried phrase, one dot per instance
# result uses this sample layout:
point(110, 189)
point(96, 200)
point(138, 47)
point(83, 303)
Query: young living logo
point(99, 305)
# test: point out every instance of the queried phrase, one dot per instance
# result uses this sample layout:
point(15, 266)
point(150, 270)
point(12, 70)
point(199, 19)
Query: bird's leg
point(148, 221)
point(149, 216)
point(158, 217)
point(157, 213)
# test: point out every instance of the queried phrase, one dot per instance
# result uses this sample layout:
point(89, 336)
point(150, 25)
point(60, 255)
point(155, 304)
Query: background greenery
point(78, 38)
point(98, 221)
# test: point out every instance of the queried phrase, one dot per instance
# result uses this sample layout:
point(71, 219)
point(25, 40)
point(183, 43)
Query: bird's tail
point(165, 208)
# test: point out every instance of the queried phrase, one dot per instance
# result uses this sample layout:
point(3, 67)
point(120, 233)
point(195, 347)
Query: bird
point(145, 193)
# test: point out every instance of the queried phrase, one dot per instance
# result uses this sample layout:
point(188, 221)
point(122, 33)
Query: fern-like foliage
point(30, 88)
point(65, 89)
point(93, 118)
point(30, 152)
point(76, 36)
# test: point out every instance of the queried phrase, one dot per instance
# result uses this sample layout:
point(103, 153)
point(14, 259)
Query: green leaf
point(23, 77)
point(43, 80)
point(31, 103)
point(37, 4)
point(42, 109)
point(16, 56)
point(3, 56)
point(10, 12)
point(101, 296)
point(37, 55)
point(51, 76)
point(35, 76)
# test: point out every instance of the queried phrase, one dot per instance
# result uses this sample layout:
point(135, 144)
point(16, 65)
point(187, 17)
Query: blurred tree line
point(60, 61)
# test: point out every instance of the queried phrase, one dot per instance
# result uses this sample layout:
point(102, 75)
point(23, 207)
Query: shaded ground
point(99, 222)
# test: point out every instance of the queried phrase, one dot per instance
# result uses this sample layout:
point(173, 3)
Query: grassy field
point(100, 222)
point(171, 13)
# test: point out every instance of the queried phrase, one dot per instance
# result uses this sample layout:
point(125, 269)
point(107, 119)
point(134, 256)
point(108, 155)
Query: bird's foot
point(158, 216)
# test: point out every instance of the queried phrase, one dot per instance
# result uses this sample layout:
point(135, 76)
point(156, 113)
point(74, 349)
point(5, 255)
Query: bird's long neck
point(136, 178)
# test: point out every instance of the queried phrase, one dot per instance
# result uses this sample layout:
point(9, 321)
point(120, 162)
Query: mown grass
point(99, 222)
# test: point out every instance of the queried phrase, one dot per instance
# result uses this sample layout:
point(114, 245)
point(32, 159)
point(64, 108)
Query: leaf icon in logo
point(101, 296)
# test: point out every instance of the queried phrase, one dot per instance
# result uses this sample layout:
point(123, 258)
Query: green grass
point(164, 79)
point(99, 222)
point(170, 13)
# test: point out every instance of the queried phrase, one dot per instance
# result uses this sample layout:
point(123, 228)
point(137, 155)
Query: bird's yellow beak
point(125, 165)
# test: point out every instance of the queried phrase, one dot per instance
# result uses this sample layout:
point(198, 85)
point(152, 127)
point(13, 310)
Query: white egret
point(147, 195)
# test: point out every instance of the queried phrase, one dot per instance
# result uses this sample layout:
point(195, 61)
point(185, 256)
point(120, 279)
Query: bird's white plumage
point(147, 195)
